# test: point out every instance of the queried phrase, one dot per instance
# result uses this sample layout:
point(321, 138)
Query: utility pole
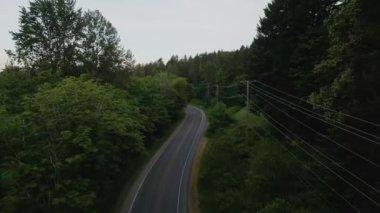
point(164, 81)
point(247, 108)
point(199, 71)
point(208, 90)
point(247, 101)
point(217, 93)
point(247, 83)
point(161, 84)
point(208, 93)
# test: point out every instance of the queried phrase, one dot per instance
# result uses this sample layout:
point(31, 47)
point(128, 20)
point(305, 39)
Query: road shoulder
point(194, 198)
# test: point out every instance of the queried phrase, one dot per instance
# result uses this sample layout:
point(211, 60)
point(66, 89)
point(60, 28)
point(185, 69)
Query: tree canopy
point(54, 35)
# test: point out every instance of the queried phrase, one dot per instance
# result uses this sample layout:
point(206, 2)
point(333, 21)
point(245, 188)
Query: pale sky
point(154, 29)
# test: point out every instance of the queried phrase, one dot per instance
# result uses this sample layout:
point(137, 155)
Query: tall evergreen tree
point(349, 73)
point(291, 40)
point(349, 77)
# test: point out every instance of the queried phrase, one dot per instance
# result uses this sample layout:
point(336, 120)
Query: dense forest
point(310, 140)
point(73, 116)
point(294, 119)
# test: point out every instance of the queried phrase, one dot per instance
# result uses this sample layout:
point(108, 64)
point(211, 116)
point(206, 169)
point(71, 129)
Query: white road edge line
point(154, 163)
point(187, 158)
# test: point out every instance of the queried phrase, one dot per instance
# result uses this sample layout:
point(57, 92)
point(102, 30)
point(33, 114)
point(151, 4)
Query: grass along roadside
point(194, 197)
point(194, 193)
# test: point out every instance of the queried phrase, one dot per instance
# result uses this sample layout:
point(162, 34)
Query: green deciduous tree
point(219, 118)
point(80, 135)
point(54, 35)
point(49, 35)
point(102, 54)
point(257, 175)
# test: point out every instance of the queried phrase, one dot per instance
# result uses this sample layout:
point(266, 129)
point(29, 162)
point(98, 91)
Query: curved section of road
point(164, 184)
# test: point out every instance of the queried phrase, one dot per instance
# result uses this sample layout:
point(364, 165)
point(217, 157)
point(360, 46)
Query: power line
point(233, 96)
point(325, 156)
point(285, 102)
point(322, 135)
point(322, 116)
point(271, 95)
point(320, 179)
point(229, 86)
point(305, 182)
point(199, 84)
point(321, 163)
point(317, 105)
point(247, 107)
point(310, 170)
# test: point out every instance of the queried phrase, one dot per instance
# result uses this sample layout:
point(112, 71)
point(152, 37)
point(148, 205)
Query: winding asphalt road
point(164, 184)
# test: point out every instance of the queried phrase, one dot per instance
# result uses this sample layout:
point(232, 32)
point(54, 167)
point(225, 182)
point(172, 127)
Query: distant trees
point(221, 66)
point(150, 68)
point(217, 68)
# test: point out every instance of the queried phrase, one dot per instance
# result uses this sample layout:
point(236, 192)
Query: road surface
point(164, 184)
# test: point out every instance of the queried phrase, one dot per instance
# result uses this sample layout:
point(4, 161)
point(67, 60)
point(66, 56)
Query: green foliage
point(349, 77)
point(64, 141)
point(225, 158)
point(219, 118)
point(291, 40)
point(152, 68)
point(180, 87)
point(147, 93)
point(254, 176)
point(251, 120)
point(325, 51)
point(351, 66)
point(103, 56)
point(171, 90)
point(328, 52)
point(16, 83)
point(80, 135)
